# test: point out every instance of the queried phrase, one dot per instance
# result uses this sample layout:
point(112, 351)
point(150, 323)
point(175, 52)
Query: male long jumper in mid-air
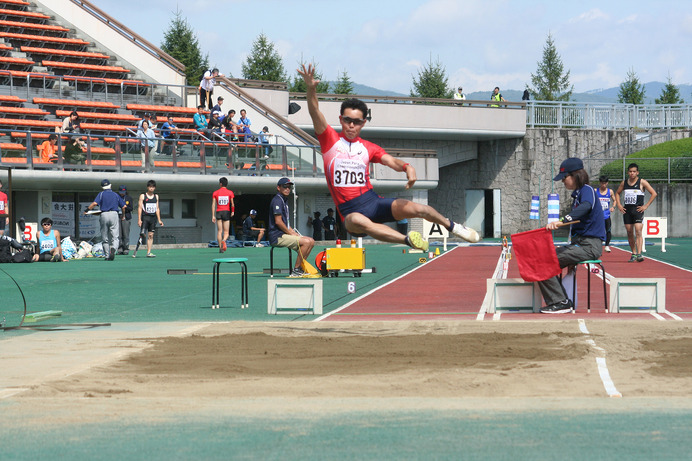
point(346, 167)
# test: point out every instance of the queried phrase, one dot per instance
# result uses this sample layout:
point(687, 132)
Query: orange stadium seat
point(98, 115)
point(68, 53)
point(70, 65)
point(75, 103)
point(16, 2)
point(43, 38)
point(4, 13)
point(31, 25)
point(50, 125)
point(11, 98)
point(23, 111)
point(162, 109)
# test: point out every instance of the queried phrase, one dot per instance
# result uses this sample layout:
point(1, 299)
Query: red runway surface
point(454, 286)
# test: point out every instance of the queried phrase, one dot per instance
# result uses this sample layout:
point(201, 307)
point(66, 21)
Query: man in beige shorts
point(281, 234)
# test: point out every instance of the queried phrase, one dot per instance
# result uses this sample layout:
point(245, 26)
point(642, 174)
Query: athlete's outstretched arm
point(318, 120)
point(399, 165)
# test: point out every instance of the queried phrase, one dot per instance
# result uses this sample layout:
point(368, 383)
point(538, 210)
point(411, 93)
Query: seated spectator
point(71, 125)
point(230, 126)
point(250, 232)
point(169, 133)
point(48, 243)
point(200, 119)
point(244, 127)
point(214, 123)
point(74, 152)
point(48, 148)
point(281, 234)
point(148, 142)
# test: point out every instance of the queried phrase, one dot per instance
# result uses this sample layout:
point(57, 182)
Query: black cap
point(105, 183)
point(283, 181)
point(122, 188)
point(568, 166)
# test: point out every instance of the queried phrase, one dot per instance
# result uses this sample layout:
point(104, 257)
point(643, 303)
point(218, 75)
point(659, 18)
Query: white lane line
point(658, 316)
point(676, 317)
point(603, 372)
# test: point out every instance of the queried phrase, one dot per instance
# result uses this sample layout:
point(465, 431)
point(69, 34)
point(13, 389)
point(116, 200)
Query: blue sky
point(482, 44)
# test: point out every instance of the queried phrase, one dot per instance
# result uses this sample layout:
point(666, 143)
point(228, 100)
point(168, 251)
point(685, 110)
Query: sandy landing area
point(241, 365)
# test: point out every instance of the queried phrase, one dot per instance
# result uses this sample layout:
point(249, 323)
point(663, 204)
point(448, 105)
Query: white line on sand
point(600, 363)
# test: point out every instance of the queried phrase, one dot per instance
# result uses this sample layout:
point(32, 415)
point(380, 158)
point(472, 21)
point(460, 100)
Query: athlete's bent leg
point(357, 223)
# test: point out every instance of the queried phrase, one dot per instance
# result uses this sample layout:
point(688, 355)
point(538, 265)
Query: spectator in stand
point(459, 94)
point(49, 249)
point(281, 234)
point(48, 149)
point(4, 211)
point(329, 224)
point(70, 126)
point(244, 125)
point(230, 126)
point(222, 210)
point(217, 107)
point(214, 125)
point(146, 118)
point(316, 224)
point(125, 221)
point(206, 87)
point(526, 96)
point(169, 133)
point(147, 139)
point(250, 232)
point(263, 138)
point(496, 96)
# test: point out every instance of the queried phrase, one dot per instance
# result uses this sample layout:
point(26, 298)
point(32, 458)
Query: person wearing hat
point(587, 235)
point(146, 118)
point(330, 225)
point(215, 123)
point(347, 159)
point(109, 203)
point(250, 232)
point(459, 94)
point(281, 234)
point(125, 221)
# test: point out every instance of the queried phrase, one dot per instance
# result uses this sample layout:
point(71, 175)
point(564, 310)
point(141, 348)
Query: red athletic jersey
point(223, 198)
point(347, 164)
point(3, 203)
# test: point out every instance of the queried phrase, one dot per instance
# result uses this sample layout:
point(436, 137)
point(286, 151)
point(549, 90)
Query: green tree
point(431, 82)
point(551, 82)
point(670, 94)
point(264, 62)
point(181, 43)
point(343, 84)
point(298, 84)
point(631, 90)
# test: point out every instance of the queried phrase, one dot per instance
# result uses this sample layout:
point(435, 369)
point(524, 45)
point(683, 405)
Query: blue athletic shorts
point(371, 205)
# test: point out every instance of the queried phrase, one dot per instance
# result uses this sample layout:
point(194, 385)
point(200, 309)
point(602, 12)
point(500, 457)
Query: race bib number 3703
point(349, 173)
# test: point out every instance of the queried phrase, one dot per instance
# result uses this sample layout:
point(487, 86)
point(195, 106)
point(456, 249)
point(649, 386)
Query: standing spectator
point(250, 232)
point(222, 210)
point(169, 133)
point(148, 214)
point(244, 125)
point(263, 137)
point(4, 211)
point(459, 94)
point(108, 202)
point(49, 249)
point(316, 224)
point(147, 140)
point(206, 87)
point(496, 96)
point(48, 148)
point(633, 210)
point(125, 221)
point(605, 195)
point(526, 96)
point(329, 224)
point(217, 107)
point(587, 235)
point(280, 232)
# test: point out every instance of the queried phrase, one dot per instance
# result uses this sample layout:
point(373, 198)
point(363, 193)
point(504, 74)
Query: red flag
point(536, 255)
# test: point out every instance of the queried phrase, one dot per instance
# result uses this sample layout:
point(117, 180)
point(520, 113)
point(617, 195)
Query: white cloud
point(589, 16)
point(632, 18)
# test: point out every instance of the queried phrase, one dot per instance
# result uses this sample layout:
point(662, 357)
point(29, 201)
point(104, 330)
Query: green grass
point(653, 162)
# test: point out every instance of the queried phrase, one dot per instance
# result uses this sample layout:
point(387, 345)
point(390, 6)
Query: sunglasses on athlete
point(355, 121)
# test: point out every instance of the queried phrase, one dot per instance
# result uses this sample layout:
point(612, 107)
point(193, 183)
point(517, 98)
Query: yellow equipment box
point(345, 258)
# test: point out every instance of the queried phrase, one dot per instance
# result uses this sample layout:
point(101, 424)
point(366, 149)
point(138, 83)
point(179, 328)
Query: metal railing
point(555, 114)
point(194, 154)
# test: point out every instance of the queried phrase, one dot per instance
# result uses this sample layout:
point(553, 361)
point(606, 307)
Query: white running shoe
point(466, 233)
point(416, 241)
point(259, 245)
point(607, 249)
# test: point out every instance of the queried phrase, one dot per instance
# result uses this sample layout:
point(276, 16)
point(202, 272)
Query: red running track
point(453, 286)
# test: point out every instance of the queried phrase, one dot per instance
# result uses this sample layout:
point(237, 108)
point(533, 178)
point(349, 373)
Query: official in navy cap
point(587, 235)
point(109, 203)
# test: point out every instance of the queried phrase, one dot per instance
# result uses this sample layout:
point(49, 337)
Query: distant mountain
point(608, 95)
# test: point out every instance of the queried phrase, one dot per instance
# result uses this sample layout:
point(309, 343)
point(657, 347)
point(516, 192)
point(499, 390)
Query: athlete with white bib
point(149, 213)
point(347, 160)
point(633, 210)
